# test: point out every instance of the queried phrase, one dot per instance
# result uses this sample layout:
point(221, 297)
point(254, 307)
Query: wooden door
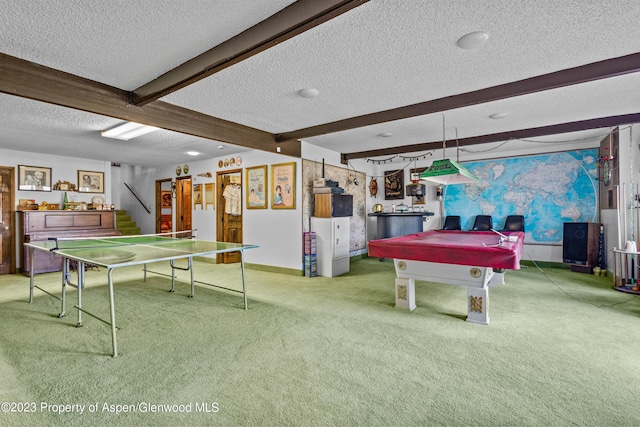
point(229, 212)
point(183, 204)
point(7, 225)
point(164, 206)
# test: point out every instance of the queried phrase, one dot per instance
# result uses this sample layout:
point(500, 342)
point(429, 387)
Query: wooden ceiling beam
point(291, 21)
point(576, 126)
point(571, 76)
point(30, 80)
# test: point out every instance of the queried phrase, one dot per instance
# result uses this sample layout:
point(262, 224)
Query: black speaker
point(341, 205)
point(580, 243)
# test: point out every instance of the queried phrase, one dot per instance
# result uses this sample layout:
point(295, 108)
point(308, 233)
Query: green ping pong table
point(125, 251)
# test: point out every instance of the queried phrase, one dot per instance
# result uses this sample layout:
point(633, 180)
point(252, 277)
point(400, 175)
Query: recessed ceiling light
point(501, 115)
point(192, 153)
point(385, 134)
point(308, 93)
point(473, 40)
point(220, 147)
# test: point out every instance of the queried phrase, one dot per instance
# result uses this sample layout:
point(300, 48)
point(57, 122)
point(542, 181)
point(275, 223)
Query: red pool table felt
point(474, 248)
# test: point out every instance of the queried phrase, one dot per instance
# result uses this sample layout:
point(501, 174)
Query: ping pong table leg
point(65, 279)
point(193, 289)
point(80, 286)
point(31, 281)
point(244, 286)
point(173, 276)
point(112, 306)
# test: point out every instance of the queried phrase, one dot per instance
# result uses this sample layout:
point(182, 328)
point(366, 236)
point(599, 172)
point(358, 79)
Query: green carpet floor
point(562, 349)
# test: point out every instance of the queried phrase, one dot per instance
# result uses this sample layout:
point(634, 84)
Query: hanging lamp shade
point(447, 171)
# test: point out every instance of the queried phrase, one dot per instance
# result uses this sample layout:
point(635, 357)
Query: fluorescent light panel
point(128, 130)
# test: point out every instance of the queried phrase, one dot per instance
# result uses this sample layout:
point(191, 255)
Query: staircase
point(125, 225)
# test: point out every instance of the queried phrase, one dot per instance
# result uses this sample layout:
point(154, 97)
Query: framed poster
point(90, 182)
point(34, 178)
point(414, 175)
point(394, 185)
point(283, 186)
point(256, 178)
point(210, 195)
point(197, 195)
point(165, 199)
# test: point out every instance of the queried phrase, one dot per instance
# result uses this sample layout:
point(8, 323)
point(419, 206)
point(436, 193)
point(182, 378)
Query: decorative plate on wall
point(178, 171)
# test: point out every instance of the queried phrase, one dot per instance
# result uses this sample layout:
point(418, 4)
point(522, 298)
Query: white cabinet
point(332, 245)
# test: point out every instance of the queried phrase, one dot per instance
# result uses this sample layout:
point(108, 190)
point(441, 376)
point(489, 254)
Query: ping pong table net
point(62, 243)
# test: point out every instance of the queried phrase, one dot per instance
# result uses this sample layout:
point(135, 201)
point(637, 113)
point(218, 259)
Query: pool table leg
point(405, 293)
point(478, 305)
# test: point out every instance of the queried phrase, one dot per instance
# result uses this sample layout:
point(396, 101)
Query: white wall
point(143, 182)
point(278, 233)
point(319, 154)
point(62, 169)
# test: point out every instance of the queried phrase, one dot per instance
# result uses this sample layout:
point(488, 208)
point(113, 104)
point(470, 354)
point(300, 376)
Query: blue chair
point(482, 223)
point(452, 222)
point(514, 223)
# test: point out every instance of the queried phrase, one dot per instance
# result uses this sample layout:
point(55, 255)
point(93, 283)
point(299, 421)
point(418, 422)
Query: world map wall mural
point(548, 189)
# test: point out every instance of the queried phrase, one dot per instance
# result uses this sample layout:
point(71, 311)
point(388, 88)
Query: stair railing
point(136, 196)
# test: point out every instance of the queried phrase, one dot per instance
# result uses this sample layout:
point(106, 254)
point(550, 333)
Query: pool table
point(475, 259)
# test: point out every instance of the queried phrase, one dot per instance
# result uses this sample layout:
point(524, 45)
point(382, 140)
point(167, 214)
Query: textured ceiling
point(381, 55)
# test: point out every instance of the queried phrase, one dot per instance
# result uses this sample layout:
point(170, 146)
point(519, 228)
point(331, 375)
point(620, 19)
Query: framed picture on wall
point(414, 174)
point(256, 187)
point(394, 184)
point(34, 178)
point(210, 195)
point(197, 195)
point(283, 186)
point(166, 199)
point(90, 182)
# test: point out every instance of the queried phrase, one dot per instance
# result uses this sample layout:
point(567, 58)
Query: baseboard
point(274, 269)
point(292, 271)
point(259, 267)
point(359, 256)
point(205, 259)
point(544, 264)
